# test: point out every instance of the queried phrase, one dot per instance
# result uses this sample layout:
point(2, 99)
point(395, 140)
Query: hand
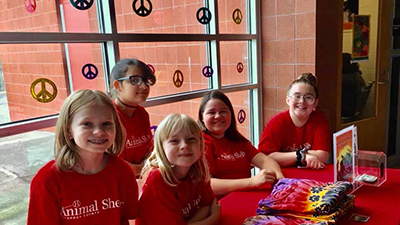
point(313, 162)
point(264, 176)
point(215, 208)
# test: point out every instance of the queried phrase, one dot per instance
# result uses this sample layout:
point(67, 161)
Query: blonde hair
point(65, 150)
point(173, 123)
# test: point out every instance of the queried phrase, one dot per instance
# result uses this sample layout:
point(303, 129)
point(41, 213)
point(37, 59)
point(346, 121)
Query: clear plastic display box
point(371, 168)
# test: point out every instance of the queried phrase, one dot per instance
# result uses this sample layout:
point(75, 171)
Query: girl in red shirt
point(86, 183)
point(299, 136)
point(131, 80)
point(229, 154)
point(177, 188)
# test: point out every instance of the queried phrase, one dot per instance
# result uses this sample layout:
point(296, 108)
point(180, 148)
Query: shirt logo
point(134, 142)
point(76, 210)
point(232, 157)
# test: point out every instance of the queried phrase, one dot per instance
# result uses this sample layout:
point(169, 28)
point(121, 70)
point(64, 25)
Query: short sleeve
point(251, 151)
point(209, 154)
point(322, 137)
point(270, 138)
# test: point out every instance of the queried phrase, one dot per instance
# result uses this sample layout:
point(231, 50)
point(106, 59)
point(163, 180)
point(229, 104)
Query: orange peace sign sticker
point(43, 95)
point(237, 16)
point(178, 78)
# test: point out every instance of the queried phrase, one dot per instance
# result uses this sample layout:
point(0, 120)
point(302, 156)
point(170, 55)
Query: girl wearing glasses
point(131, 80)
point(299, 136)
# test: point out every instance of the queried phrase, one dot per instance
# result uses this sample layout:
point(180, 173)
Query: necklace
point(123, 103)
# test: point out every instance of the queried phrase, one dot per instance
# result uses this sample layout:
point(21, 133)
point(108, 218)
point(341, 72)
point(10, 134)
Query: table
point(382, 203)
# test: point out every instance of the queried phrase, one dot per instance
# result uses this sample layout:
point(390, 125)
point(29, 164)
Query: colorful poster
point(361, 30)
point(344, 151)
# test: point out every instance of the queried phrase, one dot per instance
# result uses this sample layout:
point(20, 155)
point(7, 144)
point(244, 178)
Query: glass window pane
point(169, 57)
point(76, 20)
point(165, 17)
point(22, 156)
point(43, 16)
point(240, 102)
point(36, 79)
point(234, 65)
point(86, 66)
point(232, 16)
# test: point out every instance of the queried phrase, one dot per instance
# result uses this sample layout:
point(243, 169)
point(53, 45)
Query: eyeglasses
point(137, 80)
point(308, 98)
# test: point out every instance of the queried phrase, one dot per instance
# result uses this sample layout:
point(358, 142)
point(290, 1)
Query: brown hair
point(231, 133)
point(306, 78)
point(65, 150)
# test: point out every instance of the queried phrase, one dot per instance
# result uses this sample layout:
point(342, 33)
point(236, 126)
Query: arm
point(267, 163)
point(42, 205)
point(211, 215)
point(315, 158)
point(284, 158)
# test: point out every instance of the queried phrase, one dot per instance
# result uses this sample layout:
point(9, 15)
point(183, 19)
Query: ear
point(288, 100)
point(117, 85)
point(316, 103)
point(70, 135)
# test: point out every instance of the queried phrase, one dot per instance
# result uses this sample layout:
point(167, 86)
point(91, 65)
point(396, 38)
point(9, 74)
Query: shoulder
point(47, 174)
point(318, 115)
point(142, 111)
point(279, 118)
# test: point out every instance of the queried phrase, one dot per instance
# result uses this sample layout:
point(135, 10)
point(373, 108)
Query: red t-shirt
point(281, 135)
point(161, 203)
point(108, 197)
point(228, 159)
point(139, 139)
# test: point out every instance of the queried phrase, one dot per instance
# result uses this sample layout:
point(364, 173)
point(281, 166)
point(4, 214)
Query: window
point(51, 48)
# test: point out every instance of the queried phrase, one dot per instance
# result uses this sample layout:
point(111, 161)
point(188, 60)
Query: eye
point(86, 123)
point(224, 111)
point(136, 80)
point(173, 141)
point(108, 124)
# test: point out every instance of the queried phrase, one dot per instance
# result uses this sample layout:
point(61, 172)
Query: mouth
point(98, 142)
point(185, 155)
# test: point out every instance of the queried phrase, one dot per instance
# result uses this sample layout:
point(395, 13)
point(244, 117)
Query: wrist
point(301, 157)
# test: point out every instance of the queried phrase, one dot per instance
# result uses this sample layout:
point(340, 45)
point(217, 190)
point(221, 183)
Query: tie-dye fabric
point(304, 196)
point(278, 220)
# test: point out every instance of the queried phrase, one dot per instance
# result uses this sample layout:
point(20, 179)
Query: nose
point(143, 85)
point(98, 131)
point(301, 99)
point(217, 115)
point(184, 145)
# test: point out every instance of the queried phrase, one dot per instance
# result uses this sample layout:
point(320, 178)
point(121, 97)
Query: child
point(131, 79)
point(177, 188)
point(228, 153)
point(86, 183)
point(299, 136)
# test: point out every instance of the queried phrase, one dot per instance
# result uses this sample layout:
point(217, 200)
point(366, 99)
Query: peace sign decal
point(30, 6)
point(237, 16)
point(82, 4)
point(151, 68)
point(153, 129)
point(205, 17)
point(178, 78)
point(142, 10)
point(241, 116)
point(43, 95)
point(90, 71)
point(207, 71)
point(239, 67)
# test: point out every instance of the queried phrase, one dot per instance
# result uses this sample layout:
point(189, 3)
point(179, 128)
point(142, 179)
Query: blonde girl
point(86, 183)
point(177, 186)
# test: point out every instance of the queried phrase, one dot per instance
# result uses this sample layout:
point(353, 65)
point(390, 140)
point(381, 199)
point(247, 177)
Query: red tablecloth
point(382, 203)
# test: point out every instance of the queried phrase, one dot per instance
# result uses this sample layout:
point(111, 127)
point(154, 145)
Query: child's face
point(93, 129)
point(182, 149)
point(129, 93)
point(300, 107)
point(217, 117)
